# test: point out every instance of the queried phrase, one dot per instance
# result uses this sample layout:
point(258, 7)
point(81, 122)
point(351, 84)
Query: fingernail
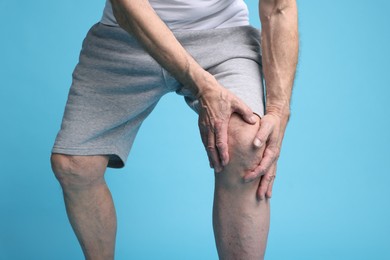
point(253, 119)
point(225, 162)
point(257, 142)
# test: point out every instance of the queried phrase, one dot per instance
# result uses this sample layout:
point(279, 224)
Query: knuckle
point(263, 134)
point(203, 135)
point(234, 103)
point(203, 126)
point(218, 124)
point(211, 148)
point(261, 171)
point(266, 127)
point(210, 143)
point(262, 191)
point(218, 121)
point(221, 145)
point(261, 138)
point(275, 154)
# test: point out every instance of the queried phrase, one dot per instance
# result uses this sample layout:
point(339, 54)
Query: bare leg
point(88, 203)
point(241, 221)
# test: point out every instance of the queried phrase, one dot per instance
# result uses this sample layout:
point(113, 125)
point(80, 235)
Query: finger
point(263, 133)
point(204, 137)
point(265, 181)
point(212, 151)
point(268, 193)
point(246, 113)
point(265, 164)
point(221, 136)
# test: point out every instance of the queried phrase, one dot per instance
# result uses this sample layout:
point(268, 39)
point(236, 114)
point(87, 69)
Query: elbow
point(115, 2)
point(271, 9)
point(278, 4)
point(117, 10)
point(115, 5)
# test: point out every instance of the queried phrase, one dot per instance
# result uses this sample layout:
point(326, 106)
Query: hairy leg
point(88, 202)
point(240, 219)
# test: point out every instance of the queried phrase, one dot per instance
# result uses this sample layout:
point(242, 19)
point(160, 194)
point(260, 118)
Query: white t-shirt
point(193, 14)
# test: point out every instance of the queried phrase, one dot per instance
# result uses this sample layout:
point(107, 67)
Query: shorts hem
point(116, 159)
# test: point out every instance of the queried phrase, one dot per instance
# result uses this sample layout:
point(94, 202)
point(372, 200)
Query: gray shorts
point(116, 85)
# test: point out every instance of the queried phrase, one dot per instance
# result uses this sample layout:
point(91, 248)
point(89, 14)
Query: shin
point(88, 202)
point(240, 220)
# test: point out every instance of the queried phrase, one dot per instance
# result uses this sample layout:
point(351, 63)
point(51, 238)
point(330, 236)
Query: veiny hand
point(217, 104)
point(269, 135)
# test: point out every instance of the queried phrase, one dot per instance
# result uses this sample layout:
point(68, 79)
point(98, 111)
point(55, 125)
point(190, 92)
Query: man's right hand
point(217, 105)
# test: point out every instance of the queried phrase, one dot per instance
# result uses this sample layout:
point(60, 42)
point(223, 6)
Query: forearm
point(138, 18)
point(280, 53)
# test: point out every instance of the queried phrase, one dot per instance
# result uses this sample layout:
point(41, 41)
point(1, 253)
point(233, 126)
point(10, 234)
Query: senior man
point(206, 51)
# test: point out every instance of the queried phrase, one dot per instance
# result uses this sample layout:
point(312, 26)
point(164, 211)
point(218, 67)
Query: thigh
point(116, 84)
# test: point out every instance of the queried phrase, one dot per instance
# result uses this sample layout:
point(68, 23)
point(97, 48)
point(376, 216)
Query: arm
point(279, 41)
point(138, 18)
point(279, 20)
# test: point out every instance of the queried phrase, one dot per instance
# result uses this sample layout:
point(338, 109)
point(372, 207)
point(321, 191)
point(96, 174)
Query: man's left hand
point(270, 135)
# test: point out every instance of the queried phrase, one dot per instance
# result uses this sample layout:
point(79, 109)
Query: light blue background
point(331, 198)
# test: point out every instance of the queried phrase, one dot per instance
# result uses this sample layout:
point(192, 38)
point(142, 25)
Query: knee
point(78, 170)
point(244, 156)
